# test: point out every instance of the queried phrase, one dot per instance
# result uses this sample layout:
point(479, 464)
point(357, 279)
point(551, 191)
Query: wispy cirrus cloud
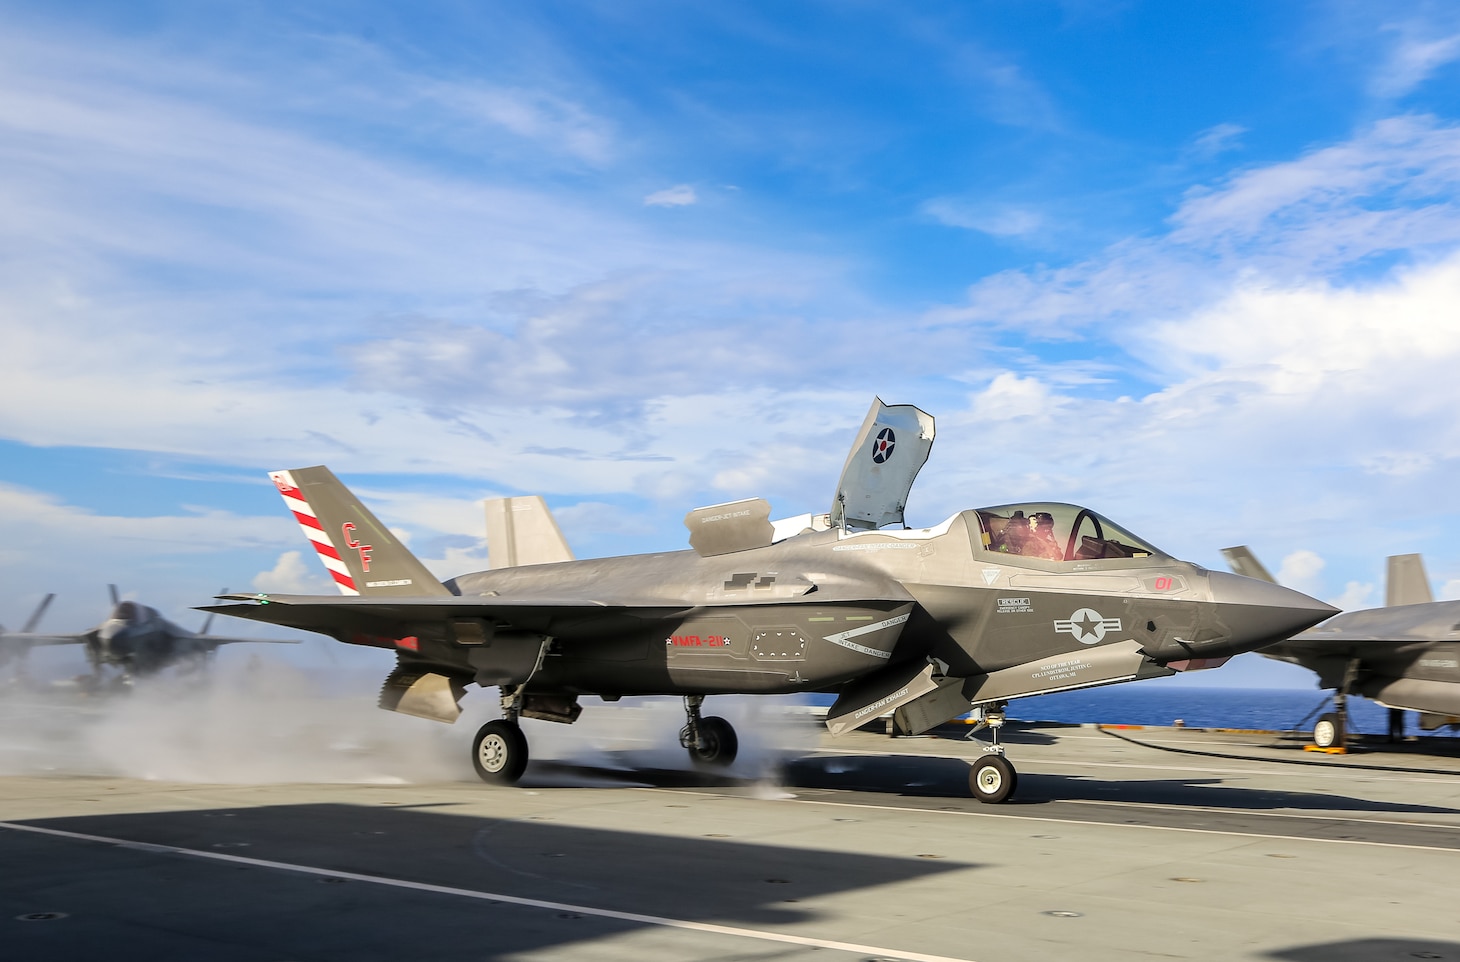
point(996, 220)
point(1416, 54)
point(680, 195)
point(1393, 189)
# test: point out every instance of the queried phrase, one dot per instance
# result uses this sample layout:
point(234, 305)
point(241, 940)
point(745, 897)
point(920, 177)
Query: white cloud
point(1393, 188)
point(32, 521)
point(994, 220)
point(1302, 570)
point(1415, 56)
point(168, 561)
point(1355, 595)
point(1216, 140)
point(536, 115)
point(680, 195)
point(294, 575)
point(1010, 397)
point(458, 561)
point(511, 326)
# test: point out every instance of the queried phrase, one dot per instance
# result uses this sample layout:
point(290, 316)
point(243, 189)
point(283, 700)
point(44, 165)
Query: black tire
point(1328, 731)
point(993, 779)
point(720, 743)
point(499, 752)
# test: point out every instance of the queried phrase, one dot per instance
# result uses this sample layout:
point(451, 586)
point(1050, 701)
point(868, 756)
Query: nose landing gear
point(993, 779)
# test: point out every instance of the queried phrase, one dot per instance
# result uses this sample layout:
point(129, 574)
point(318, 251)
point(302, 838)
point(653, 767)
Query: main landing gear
point(1331, 730)
point(499, 751)
point(993, 779)
point(709, 741)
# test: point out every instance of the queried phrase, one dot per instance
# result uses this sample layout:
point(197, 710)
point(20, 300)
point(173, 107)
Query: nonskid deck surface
point(1151, 843)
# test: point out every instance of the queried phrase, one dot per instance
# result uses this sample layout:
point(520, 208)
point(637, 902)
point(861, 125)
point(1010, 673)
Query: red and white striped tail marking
point(314, 531)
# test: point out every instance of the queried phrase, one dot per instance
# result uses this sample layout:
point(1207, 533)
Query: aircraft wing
point(334, 614)
point(1334, 645)
point(31, 639)
point(217, 640)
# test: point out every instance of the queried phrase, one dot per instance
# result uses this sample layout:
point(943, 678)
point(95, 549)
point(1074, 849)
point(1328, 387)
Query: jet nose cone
point(1258, 613)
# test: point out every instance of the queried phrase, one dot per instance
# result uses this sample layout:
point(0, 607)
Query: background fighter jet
point(926, 623)
point(1405, 655)
point(134, 639)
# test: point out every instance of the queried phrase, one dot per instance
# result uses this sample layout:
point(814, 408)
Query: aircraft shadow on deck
point(1369, 950)
point(919, 776)
point(158, 895)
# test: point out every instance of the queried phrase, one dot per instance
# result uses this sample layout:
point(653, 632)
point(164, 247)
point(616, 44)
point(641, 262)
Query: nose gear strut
point(993, 779)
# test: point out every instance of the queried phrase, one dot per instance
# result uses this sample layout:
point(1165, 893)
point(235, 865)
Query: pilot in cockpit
point(1015, 536)
point(1042, 542)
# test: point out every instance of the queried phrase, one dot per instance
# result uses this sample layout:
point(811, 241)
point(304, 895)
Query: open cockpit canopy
point(1065, 533)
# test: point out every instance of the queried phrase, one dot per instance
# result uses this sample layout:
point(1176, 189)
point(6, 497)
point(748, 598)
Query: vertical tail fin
point(1243, 562)
point(521, 531)
point(35, 619)
point(360, 553)
point(1407, 583)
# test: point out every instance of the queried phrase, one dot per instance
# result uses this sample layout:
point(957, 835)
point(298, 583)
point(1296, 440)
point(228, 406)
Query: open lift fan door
point(890, 450)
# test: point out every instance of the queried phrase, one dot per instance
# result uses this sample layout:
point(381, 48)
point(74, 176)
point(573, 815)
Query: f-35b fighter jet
point(924, 623)
point(1405, 655)
point(134, 639)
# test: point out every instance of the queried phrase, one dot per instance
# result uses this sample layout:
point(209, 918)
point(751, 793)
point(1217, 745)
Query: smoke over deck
point(266, 721)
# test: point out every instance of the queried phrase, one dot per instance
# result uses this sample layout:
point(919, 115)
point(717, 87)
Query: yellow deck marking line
point(707, 927)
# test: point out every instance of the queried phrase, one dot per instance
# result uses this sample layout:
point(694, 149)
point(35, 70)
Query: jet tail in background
point(522, 531)
point(1243, 562)
point(1406, 582)
point(360, 553)
point(34, 620)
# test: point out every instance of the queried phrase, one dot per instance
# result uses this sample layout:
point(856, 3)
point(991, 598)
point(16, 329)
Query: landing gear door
point(890, 450)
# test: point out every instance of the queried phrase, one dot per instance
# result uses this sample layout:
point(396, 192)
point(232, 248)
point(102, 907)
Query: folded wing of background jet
point(1405, 656)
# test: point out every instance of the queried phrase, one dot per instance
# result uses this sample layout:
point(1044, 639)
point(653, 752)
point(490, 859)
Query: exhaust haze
point(261, 720)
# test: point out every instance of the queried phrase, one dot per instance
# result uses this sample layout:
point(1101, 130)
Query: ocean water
point(1270, 709)
point(1141, 704)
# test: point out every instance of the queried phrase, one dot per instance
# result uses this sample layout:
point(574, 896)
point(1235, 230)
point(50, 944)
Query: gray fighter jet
point(923, 623)
point(1405, 656)
point(135, 639)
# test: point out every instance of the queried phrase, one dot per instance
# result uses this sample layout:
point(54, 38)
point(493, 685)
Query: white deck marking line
point(1059, 821)
point(707, 927)
point(1346, 775)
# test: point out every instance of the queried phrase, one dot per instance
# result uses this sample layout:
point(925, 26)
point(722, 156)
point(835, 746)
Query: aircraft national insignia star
point(882, 447)
point(1087, 625)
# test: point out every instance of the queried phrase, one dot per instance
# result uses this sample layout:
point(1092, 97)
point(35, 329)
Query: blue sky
point(1196, 265)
